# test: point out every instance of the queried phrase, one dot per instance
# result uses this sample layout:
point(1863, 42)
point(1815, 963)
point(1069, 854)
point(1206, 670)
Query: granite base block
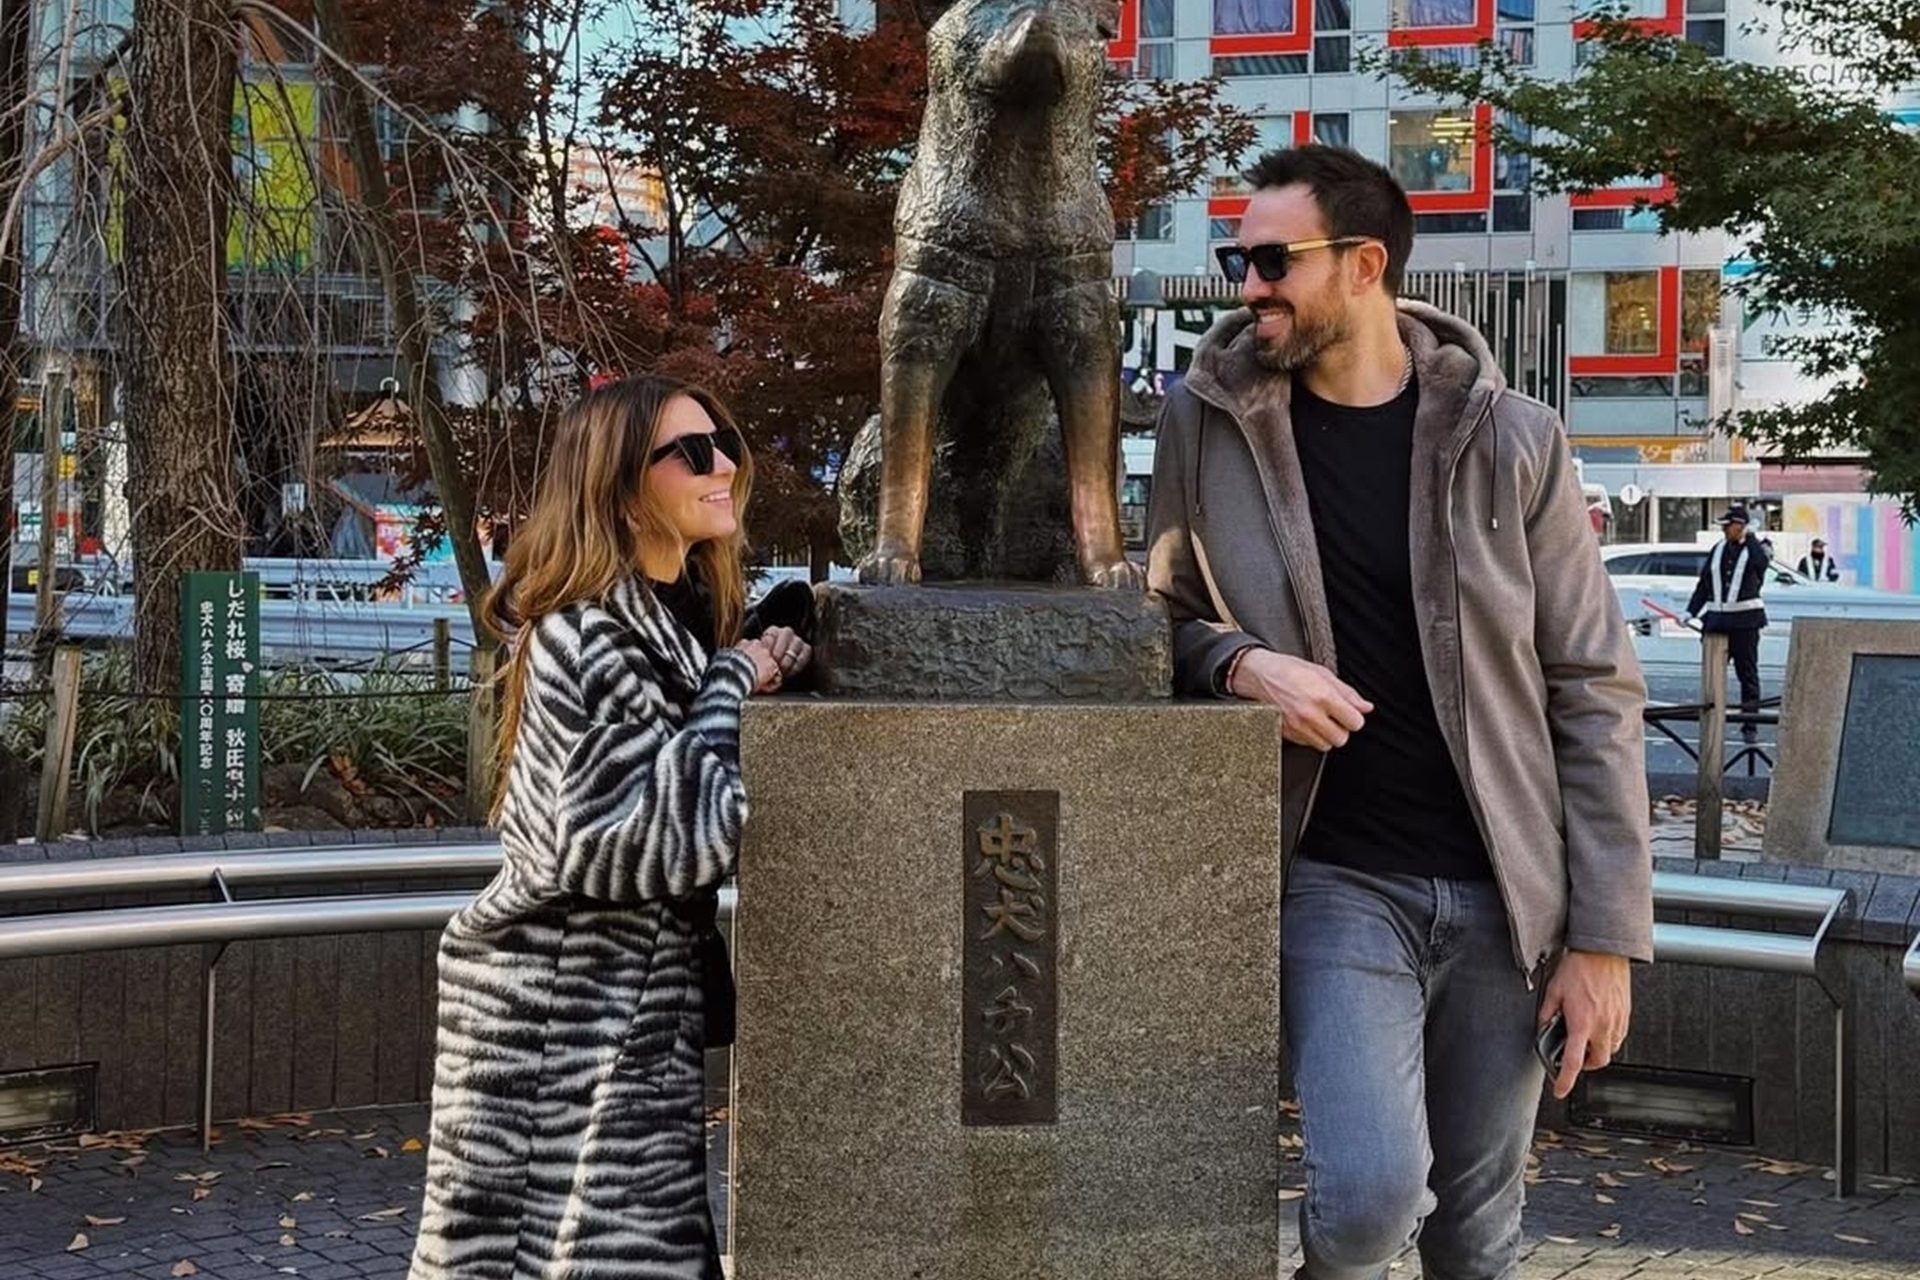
point(851, 1158)
point(992, 642)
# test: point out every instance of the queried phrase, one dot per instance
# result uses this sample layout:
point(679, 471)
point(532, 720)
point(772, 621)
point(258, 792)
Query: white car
point(1655, 581)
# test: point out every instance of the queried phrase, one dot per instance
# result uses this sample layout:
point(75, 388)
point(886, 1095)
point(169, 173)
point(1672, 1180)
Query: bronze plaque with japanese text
point(1009, 993)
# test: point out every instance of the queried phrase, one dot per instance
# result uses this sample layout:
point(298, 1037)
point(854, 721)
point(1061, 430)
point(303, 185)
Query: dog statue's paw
point(890, 569)
point(1116, 575)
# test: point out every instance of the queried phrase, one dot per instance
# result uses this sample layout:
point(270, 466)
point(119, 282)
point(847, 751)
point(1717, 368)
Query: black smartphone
point(1551, 1044)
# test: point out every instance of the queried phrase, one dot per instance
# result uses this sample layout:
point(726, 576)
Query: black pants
point(1744, 648)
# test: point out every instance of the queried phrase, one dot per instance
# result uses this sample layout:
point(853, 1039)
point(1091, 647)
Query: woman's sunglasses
point(1270, 261)
point(697, 449)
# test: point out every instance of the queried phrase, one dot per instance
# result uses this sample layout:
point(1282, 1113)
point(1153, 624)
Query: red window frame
point(1663, 362)
point(1476, 198)
point(1427, 37)
point(1673, 24)
point(1661, 192)
point(1236, 206)
point(1298, 40)
point(1125, 46)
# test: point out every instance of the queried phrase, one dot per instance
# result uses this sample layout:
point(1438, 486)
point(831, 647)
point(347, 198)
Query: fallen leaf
point(1563, 1240)
point(183, 1268)
point(383, 1215)
point(1742, 1228)
point(1762, 1204)
point(103, 1222)
point(78, 1242)
point(34, 1184)
point(365, 1137)
point(1753, 1217)
point(1612, 1232)
point(287, 1239)
point(289, 1221)
point(1608, 1180)
point(273, 1164)
point(201, 1193)
point(179, 1209)
point(1292, 1193)
point(1602, 1199)
point(303, 1197)
point(414, 1144)
point(380, 1153)
point(1851, 1239)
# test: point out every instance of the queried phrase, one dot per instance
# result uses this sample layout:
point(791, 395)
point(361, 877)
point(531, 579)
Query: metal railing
point(1797, 955)
point(225, 918)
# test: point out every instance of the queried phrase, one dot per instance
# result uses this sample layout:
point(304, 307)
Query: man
point(1353, 520)
point(1818, 565)
point(1727, 601)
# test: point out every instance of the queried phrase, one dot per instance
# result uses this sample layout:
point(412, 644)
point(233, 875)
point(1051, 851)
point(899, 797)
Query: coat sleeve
point(1595, 697)
point(1203, 645)
point(645, 811)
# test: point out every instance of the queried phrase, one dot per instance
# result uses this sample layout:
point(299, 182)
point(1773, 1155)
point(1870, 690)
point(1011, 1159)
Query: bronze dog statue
point(1002, 287)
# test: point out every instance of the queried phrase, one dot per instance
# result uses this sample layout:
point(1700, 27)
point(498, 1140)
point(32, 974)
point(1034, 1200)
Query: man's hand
point(1595, 992)
point(1317, 708)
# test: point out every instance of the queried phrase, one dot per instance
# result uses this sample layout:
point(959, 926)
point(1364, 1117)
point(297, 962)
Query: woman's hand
point(766, 670)
point(790, 653)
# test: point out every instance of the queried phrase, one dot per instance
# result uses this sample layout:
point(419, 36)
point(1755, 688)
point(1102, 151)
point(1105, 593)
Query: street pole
point(45, 622)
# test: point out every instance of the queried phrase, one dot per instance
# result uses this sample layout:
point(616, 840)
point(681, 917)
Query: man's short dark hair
point(1356, 197)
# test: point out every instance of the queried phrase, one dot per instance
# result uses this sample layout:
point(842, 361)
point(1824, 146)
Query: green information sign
point(219, 719)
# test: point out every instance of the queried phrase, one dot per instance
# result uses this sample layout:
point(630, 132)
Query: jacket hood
point(1446, 351)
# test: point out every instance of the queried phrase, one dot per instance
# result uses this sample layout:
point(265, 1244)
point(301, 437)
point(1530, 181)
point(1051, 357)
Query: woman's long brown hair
point(589, 522)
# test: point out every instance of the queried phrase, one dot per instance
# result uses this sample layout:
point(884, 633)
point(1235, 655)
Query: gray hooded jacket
point(1534, 678)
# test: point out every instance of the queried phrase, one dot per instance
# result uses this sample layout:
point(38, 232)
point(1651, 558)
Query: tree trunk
point(409, 321)
point(178, 384)
point(13, 161)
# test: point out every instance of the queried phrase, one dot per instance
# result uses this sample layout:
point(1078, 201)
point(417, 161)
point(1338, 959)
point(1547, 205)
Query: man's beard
point(1306, 339)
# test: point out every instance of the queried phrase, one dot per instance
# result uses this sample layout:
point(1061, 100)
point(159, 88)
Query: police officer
point(1818, 565)
point(1727, 601)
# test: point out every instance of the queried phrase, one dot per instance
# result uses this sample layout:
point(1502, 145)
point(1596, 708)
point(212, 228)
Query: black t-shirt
point(1391, 800)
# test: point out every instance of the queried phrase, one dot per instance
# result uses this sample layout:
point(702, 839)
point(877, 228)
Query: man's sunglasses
point(697, 449)
point(1270, 261)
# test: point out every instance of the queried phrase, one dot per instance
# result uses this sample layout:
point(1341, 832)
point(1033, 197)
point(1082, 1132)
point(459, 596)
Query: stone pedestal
point(1844, 786)
point(992, 642)
point(1009, 996)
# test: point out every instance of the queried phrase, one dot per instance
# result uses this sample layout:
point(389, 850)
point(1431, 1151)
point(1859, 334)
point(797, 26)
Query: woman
point(568, 1136)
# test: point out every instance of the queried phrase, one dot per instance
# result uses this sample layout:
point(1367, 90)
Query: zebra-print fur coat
point(568, 1135)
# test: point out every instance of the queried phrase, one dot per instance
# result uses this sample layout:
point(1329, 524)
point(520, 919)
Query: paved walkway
point(334, 1197)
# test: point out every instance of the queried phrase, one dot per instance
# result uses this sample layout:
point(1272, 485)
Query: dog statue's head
point(1026, 53)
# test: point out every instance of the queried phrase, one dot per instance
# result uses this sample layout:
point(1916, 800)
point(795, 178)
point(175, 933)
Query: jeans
point(1411, 1031)
point(1744, 648)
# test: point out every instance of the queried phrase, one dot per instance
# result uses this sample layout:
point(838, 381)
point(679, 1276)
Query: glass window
point(1432, 150)
point(1222, 229)
point(1710, 35)
point(1630, 388)
point(1332, 15)
point(1614, 313)
point(1515, 10)
point(1272, 64)
point(1513, 213)
point(1450, 224)
point(1333, 129)
point(1433, 13)
point(1154, 60)
point(1332, 54)
point(1155, 222)
point(1156, 19)
point(1626, 566)
point(1517, 44)
point(1252, 17)
point(1512, 169)
point(1271, 133)
point(1616, 220)
point(1699, 308)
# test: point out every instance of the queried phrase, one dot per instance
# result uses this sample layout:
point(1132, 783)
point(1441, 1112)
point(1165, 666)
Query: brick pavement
point(336, 1198)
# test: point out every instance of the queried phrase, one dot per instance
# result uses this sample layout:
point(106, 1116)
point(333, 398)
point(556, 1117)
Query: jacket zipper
point(1299, 610)
point(1530, 970)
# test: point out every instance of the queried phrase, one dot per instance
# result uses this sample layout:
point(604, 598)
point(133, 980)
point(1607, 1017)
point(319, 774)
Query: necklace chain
point(1406, 376)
